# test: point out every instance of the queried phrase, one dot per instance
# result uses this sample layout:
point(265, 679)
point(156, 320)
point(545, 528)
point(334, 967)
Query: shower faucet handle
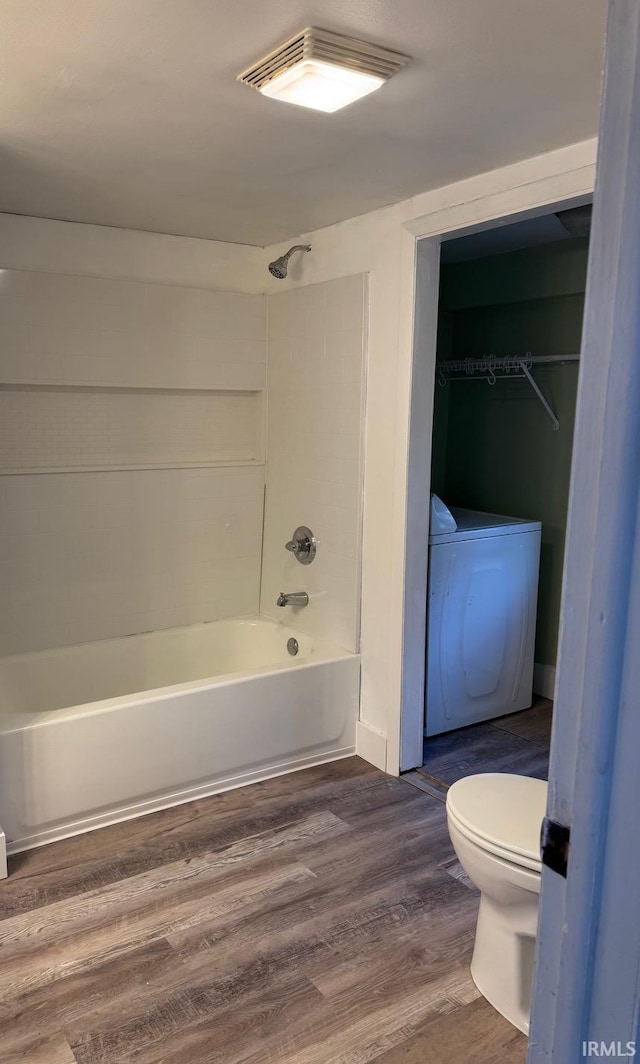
point(302, 545)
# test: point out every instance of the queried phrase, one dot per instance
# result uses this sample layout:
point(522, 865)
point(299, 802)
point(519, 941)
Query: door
point(587, 980)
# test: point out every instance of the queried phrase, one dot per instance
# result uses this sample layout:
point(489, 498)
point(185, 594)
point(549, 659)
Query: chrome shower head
point(278, 268)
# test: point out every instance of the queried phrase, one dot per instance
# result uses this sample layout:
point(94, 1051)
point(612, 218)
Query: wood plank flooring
point(318, 917)
point(517, 743)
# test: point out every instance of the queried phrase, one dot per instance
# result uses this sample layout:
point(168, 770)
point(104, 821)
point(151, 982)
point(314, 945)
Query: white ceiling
point(127, 112)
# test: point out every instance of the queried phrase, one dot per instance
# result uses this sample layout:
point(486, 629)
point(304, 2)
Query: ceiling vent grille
point(325, 47)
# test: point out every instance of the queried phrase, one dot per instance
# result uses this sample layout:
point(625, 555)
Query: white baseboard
point(371, 745)
point(544, 680)
point(3, 855)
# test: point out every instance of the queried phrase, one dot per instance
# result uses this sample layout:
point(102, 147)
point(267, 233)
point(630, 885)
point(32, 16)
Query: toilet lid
point(502, 810)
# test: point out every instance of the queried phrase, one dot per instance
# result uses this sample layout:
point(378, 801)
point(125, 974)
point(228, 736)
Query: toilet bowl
point(494, 821)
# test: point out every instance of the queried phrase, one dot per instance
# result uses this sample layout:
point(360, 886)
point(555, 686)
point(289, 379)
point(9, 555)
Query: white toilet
point(494, 821)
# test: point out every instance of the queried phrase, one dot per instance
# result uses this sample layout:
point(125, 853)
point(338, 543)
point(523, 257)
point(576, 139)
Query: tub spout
point(293, 598)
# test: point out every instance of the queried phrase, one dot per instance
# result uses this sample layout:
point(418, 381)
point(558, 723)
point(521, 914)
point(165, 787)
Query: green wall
point(494, 447)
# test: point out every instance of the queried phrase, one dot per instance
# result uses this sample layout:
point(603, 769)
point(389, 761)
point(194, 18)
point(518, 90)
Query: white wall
point(131, 437)
point(316, 338)
point(382, 244)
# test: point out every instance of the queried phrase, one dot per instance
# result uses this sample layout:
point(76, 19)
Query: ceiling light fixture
point(323, 70)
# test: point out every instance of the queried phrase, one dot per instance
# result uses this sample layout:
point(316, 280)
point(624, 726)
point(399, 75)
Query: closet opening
point(509, 326)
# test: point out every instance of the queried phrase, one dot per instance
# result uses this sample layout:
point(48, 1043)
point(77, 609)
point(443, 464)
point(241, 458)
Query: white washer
point(483, 587)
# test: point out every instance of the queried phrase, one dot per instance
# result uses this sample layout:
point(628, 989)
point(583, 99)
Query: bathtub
point(101, 732)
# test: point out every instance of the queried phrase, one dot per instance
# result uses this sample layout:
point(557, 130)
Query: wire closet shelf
point(492, 368)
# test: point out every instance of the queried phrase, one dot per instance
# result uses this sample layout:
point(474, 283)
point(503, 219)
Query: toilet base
point(503, 958)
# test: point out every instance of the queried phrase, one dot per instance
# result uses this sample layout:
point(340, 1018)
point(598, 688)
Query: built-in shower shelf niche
point(49, 428)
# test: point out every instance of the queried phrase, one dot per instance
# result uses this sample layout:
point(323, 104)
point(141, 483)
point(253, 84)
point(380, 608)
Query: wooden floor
point(319, 917)
point(517, 743)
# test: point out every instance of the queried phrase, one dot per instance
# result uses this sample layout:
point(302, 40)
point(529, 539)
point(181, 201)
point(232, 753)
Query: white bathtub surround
point(87, 556)
point(92, 330)
point(133, 414)
point(316, 339)
point(94, 734)
point(132, 502)
point(50, 428)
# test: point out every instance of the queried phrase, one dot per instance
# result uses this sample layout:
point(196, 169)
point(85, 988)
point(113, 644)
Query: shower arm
point(297, 247)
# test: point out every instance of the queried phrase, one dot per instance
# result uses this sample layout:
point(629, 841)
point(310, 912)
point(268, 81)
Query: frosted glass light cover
point(321, 86)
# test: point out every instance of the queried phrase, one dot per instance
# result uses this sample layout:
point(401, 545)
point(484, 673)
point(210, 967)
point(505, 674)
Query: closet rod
point(492, 367)
point(489, 363)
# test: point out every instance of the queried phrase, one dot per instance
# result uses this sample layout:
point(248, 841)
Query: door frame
point(427, 237)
